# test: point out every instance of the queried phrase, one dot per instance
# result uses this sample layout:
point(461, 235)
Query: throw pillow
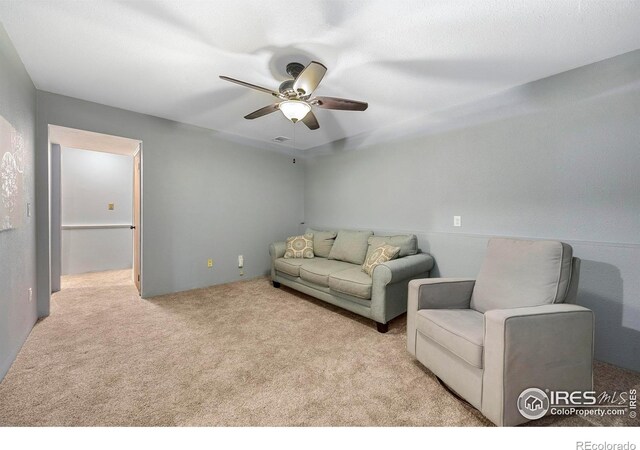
point(408, 244)
point(350, 246)
point(380, 255)
point(322, 241)
point(299, 246)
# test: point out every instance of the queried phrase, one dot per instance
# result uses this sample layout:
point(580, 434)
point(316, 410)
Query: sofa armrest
point(389, 284)
point(546, 347)
point(402, 268)
point(277, 249)
point(435, 293)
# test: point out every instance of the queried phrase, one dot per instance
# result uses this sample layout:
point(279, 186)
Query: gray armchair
point(513, 328)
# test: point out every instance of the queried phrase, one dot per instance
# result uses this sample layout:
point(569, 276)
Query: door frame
point(54, 172)
point(55, 216)
point(139, 154)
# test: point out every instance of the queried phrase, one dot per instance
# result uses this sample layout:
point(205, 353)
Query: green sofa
point(335, 274)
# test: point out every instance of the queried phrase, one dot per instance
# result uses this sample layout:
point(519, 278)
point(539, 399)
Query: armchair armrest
point(440, 293)
point(547, 347)
point(435, 293)
point(277, 249)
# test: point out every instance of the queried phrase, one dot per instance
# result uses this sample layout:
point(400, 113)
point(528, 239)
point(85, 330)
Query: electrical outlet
point(111, 206)
point(30, 295)
point(457, 221)
point(28, 209)
point(240, 261)
point(209, 262)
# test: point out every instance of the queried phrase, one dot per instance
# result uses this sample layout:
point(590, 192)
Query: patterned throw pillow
point(300, 246)
point(380, 255)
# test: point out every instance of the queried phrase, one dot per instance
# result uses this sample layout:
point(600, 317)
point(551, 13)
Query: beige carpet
point(238, 354)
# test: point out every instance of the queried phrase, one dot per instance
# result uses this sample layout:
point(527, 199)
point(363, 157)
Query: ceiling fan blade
point(309, 78)
point(339, 103)
point(262, 111)
point(310, 121)
point(249, 85)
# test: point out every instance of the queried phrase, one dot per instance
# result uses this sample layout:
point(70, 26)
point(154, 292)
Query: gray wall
point(564, 166)
point(92, 180)
point(203, 196)
point(17, 246)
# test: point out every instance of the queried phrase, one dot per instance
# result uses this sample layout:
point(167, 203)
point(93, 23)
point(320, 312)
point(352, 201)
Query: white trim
point(95, 227)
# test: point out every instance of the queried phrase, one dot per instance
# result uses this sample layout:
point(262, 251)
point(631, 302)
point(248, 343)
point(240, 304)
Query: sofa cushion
point(380, 255)
point(517, 273)
point(322, 241)
point(460, 331)
point(290, 266)
point(299, 246)
point(318, 270)
point(350, 246)
point(351, 281)
point(408, 243)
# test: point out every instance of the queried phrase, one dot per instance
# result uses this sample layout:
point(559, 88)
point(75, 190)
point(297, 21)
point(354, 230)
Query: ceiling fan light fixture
point(294, 110)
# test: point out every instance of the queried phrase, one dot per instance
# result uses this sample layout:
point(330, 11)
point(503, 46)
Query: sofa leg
point(382, 327)
point(276, 284)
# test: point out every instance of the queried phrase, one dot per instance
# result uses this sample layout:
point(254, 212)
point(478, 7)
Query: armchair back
point(519, 273)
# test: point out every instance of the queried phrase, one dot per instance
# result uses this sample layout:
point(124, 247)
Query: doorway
point(96, 206)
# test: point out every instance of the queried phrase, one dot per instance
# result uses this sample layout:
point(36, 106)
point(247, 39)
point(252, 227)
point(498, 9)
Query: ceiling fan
point(294, 95)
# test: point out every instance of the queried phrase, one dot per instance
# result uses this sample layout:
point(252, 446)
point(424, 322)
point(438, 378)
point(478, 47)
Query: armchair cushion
point(460, 331)
point(518, 273)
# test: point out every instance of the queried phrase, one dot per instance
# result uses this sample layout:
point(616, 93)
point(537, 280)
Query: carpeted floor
point(240, 354)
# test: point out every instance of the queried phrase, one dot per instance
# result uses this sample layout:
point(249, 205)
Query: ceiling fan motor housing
point(286, 88)
point(294, 69)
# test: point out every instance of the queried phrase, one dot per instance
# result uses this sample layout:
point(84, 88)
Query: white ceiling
point(88, 140)
point(406, 58)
